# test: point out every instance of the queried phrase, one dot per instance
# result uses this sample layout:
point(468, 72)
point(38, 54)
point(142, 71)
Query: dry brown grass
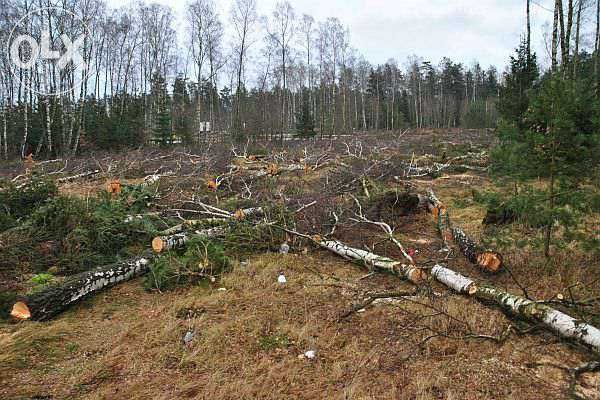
point(126, 344)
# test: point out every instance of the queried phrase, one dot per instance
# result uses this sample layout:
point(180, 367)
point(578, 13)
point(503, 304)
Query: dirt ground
point(251, 333)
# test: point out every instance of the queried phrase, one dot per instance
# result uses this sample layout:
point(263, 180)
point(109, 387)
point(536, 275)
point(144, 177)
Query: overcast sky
point(463, 30)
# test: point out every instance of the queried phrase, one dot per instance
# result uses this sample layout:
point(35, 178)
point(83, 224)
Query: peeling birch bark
point(411, 273)
point(54, 299)
point(554, 320)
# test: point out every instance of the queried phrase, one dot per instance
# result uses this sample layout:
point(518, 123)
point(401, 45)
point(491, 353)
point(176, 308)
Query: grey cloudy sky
point(463, 30)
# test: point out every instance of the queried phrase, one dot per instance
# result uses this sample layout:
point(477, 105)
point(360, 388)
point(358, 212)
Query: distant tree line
point(281, 74)
point(277, 74)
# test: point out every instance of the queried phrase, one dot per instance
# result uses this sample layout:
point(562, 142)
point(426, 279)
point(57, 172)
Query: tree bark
point(557, 4)
point(577, 36)
point(54, 299)
point(411, 273)
point(552, 319)
point(487, 260)
point(528, 33)
point(178, 241)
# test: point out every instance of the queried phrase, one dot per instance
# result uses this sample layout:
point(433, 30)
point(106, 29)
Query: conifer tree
point(555, 141)
point(305, 125)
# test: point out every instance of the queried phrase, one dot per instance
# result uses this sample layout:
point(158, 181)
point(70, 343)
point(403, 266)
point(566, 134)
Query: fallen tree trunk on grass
point(487, 260)
point(411, 273)
point(554, 320)
point(172, 239)
point(178, 241)
point(52, 300)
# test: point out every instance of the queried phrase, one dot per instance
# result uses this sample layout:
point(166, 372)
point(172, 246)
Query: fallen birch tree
point(409, 272)
point(554, 320)
point(487, 260)
point(179, 240)
point(55, 298)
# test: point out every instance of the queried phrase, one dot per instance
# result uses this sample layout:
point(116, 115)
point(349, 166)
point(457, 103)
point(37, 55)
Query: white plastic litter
point(281, 278)
point(310, 354)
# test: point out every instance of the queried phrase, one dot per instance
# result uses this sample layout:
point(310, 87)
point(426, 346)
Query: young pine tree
point(557, 142)
point(519, 82)
point(305, 125)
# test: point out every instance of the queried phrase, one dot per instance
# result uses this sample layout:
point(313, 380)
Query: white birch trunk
point(178, 241)
point(411, 273)
point(52, 300)
point(78, 176)
point(556, 321)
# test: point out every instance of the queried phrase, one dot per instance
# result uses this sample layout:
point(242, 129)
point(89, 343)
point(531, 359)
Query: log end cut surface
point(20, 311)
point(157, 244)
point(490, 261)
point(417, 275)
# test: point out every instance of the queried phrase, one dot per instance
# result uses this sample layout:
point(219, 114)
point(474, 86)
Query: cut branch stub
point(239, 214)
point(114, 187)
point(211, 184)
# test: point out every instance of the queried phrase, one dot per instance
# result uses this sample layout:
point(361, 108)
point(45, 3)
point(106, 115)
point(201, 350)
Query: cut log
point(411, 273)
point(178, 241)
point(53, 299)
point(487, 260)
point(554, 320)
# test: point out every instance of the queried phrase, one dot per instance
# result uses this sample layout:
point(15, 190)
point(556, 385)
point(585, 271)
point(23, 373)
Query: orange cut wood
point(20, 311)
point(490, 261)
point(29, 163)
point(114, 187)
point(157, 244)
point(212, 185)
point(239, 214)
point(272, 169)
point(417, 275)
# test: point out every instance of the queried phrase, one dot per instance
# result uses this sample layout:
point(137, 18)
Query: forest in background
point(143, 88)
